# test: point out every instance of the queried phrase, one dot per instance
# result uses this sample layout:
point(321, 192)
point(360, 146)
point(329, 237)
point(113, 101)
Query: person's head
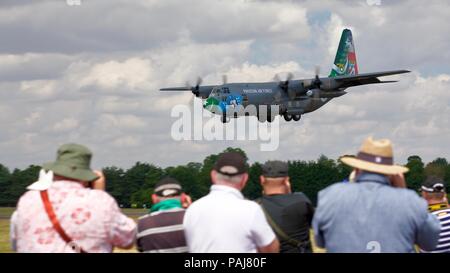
point(168, 188)
point(230, 170)
point(433, 190)
point(374, 156)
point(275, 178)
point(72, 164)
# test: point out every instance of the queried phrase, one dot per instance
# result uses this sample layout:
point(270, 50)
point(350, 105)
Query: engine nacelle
point(299, 90)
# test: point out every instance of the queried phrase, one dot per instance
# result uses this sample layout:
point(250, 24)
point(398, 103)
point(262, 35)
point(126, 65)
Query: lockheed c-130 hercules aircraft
point(293, 97)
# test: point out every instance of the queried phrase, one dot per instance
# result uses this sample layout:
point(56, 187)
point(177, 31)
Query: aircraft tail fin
point(345, 62)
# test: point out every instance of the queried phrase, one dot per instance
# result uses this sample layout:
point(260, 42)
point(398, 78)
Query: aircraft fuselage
point(224, 96)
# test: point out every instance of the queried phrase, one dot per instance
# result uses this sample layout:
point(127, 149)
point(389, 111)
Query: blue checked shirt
point(372, 216)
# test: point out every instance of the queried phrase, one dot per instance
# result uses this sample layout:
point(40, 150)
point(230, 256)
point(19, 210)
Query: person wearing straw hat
point(68, 210)
point(376, 213)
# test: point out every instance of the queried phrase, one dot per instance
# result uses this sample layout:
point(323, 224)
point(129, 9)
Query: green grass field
point(5, 214)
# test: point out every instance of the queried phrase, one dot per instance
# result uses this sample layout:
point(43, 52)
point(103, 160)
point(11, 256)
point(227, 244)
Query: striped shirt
point(444, 238)
point(162, 232)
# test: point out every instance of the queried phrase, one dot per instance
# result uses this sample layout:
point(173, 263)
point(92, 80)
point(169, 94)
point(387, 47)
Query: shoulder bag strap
point(55, 222)
point(278, 230)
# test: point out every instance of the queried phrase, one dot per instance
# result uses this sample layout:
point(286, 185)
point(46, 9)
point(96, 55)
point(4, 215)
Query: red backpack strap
point(56, 225)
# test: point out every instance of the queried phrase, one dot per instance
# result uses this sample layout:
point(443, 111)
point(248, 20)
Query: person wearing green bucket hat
point(68, 210)
point(73, 162)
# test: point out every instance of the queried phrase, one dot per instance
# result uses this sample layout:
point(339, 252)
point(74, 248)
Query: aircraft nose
point(210, 103)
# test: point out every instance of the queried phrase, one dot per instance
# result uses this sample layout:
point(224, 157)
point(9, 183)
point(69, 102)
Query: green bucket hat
point(72, 161)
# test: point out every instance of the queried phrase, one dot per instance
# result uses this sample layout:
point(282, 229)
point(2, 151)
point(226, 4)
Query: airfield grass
point(5, 214)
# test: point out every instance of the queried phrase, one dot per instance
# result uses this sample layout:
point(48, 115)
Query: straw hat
point(375, 156)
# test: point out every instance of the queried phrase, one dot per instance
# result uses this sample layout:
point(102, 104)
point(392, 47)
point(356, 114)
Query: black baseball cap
point(231, 163)
point(275, 168)
point(433, 184)
point(168, 186)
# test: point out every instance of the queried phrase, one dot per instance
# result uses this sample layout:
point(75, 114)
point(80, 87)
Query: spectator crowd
point(68, 210)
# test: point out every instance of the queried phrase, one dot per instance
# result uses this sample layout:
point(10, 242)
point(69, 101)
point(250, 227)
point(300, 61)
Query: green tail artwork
point(345, 61)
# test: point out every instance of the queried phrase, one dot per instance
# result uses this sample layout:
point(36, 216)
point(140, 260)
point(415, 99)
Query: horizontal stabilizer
point(367, 78)
point(387, 81)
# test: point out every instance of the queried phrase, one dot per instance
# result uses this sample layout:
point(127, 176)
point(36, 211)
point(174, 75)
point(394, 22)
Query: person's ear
point(246, 177)
point(213, 176)
point(262, 180)
point(155, 199)
point(287, 182)
point(244, 180)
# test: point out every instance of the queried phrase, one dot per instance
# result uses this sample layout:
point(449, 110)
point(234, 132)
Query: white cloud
point(117, 122)
point(38, 88)
point(127, 142)
point(66, 125)
point(256, 73)
point(133, 73)
point(33, 118)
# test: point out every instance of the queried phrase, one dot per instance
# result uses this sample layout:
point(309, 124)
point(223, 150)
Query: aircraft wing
point(176, 89)
point(199, 91)
point(367, 78)
point(187, 88)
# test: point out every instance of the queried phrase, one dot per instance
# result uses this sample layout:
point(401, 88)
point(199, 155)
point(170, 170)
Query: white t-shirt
point(223, 221)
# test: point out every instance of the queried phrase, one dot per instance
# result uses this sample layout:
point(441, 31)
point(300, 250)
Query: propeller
point(284, 84)
point(314, 86)
point(289, 77)
point(194, 89)
point(224, 79)
point(188, 87)
point(317, 82)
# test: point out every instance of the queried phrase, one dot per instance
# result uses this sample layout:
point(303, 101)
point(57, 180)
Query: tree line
point(133, 187)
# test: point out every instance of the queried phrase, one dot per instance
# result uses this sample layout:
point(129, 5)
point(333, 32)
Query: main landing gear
point(288, 117)
point(224, 118)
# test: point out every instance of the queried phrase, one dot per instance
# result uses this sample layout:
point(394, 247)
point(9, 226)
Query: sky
point(90, 74)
